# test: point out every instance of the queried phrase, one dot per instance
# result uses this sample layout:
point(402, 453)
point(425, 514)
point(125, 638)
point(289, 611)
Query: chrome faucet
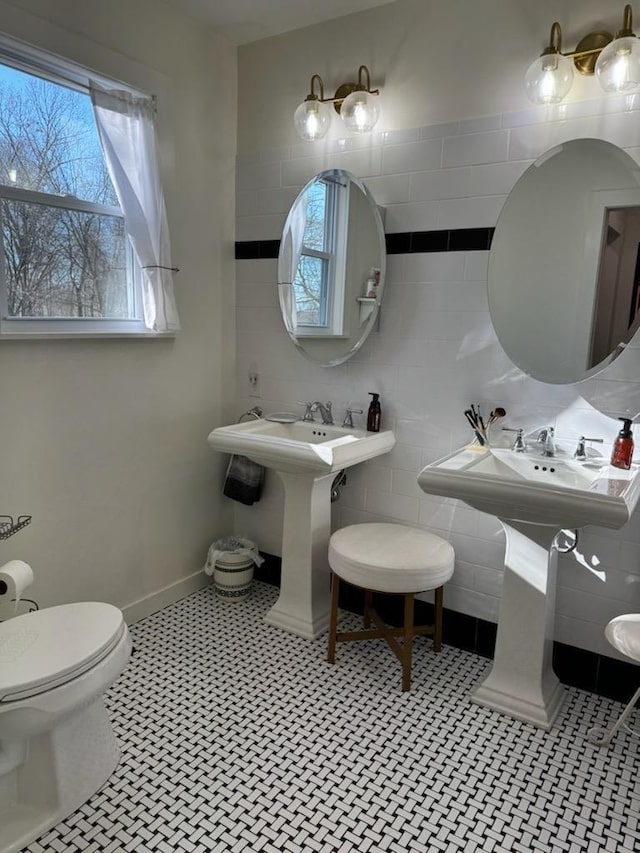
point(545, 437)
point(325, 412)
point(519, 445)
point(580, 454)
point(348, 420)
point(308, 411)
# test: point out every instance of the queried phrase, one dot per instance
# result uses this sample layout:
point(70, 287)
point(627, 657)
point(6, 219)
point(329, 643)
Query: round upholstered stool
point(389, 558)
point(623, 633)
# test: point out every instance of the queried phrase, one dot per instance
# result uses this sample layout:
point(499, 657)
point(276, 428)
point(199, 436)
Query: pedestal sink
point(534, 497)
point(306, 457)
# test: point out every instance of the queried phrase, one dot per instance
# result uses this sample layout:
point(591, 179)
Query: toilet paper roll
point(15, 577)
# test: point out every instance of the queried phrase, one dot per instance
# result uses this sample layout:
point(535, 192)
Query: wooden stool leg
point(368, 598)
point(333, 618)
point(437, 620)
point(407, 646)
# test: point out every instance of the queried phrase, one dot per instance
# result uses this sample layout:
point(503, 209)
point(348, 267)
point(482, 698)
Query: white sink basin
point(306, 457)
point(528, 487)
point(301, 447)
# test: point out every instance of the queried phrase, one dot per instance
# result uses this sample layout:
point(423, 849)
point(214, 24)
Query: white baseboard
point(163, 597)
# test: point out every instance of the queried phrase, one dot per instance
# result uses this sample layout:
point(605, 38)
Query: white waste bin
point(230, 562)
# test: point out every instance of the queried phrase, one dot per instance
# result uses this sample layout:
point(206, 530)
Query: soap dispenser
point(623, 446)
point(373, 415)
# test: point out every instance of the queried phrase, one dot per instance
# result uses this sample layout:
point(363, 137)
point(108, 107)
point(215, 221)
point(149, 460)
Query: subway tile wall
point(435, 350)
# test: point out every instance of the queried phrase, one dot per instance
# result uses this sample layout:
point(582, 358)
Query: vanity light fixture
point(615, 61)
point(356, 103)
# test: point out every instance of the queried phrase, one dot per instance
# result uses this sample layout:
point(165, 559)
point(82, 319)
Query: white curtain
point(297, 227)
point(126, 124)
point(292, 243)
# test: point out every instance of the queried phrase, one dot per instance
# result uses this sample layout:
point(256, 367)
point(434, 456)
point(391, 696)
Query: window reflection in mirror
point(320, 306)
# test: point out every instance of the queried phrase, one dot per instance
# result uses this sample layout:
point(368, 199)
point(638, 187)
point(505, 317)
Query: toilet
point(57, 747)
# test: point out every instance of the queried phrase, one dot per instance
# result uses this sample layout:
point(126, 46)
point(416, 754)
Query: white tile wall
point(435, 350)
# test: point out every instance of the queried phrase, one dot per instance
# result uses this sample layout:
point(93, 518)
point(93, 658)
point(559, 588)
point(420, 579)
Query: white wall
point(451, 147)
point(104, 442)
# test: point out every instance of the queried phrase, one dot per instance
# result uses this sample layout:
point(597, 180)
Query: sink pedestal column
point(303, 604)
point(522, 682)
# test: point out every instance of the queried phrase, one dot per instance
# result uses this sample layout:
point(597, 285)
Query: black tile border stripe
point(575, 667)
point(407, 242)
point(253, 249)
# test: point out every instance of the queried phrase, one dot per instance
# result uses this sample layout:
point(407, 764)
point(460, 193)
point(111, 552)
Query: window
point(67, 265)
point(319, 307)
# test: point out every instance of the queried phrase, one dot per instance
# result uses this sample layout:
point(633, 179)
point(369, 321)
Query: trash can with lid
point(231, 561)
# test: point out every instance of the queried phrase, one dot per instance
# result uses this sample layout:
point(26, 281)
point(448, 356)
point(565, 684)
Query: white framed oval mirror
point(564, 266)
point(331, 267)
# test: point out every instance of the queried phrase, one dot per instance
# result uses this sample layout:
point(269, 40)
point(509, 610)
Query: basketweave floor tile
point(237, 736)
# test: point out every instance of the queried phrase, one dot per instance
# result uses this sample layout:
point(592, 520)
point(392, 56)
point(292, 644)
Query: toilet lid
point(47, 648)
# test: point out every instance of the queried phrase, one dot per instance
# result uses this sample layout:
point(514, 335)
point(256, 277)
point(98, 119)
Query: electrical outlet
point(255, 385)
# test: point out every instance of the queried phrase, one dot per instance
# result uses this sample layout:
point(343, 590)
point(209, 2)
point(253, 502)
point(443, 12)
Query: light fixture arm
point(555, 45)
point(555, 40)
point(363, 85)
point(627, 23)
point(312, 95)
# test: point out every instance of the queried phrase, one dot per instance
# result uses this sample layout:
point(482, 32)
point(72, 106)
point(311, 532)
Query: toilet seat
point(45, 649)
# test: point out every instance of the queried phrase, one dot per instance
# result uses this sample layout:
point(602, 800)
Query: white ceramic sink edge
point(560, 492)
point(301, 447)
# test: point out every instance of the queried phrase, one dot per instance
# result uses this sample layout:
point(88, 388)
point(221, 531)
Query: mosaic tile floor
point(239, 737)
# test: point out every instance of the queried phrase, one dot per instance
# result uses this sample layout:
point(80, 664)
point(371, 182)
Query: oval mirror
point(331, 267)
point(564, 266)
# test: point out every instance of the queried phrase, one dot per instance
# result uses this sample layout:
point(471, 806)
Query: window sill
point(94, 336)
point(23, 329)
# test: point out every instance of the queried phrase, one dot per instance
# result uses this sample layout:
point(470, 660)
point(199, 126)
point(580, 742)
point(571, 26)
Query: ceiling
point(242, 21)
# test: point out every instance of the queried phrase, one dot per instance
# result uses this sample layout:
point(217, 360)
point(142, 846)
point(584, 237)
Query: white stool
point(389, 558)
point(623, 633)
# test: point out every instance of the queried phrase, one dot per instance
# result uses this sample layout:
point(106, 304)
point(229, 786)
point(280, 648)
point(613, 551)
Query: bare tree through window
point(63, 237)
point(310, 283)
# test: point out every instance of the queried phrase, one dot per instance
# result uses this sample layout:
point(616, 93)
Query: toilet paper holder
point(8, 526)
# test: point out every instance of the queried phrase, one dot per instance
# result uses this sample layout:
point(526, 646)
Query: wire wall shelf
point(8, 526)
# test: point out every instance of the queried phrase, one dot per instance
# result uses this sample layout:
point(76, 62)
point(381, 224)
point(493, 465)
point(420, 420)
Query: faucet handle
point(348, 420)
point(519, 445)
point(580, 453)
point(308, 413)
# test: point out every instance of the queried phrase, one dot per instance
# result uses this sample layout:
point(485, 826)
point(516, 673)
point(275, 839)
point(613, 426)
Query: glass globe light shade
point(618, 66)
point(312, 119)
point(360, 111)
point(549, 78)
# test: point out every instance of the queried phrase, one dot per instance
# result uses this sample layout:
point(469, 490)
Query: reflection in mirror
point(564, 272)
point(617, 309)
point(331, 251)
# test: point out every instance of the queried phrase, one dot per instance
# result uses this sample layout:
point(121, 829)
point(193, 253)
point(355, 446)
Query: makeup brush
point(497, 413)
point(469, 415)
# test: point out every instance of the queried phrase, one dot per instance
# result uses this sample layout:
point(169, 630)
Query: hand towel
point(243, 481)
